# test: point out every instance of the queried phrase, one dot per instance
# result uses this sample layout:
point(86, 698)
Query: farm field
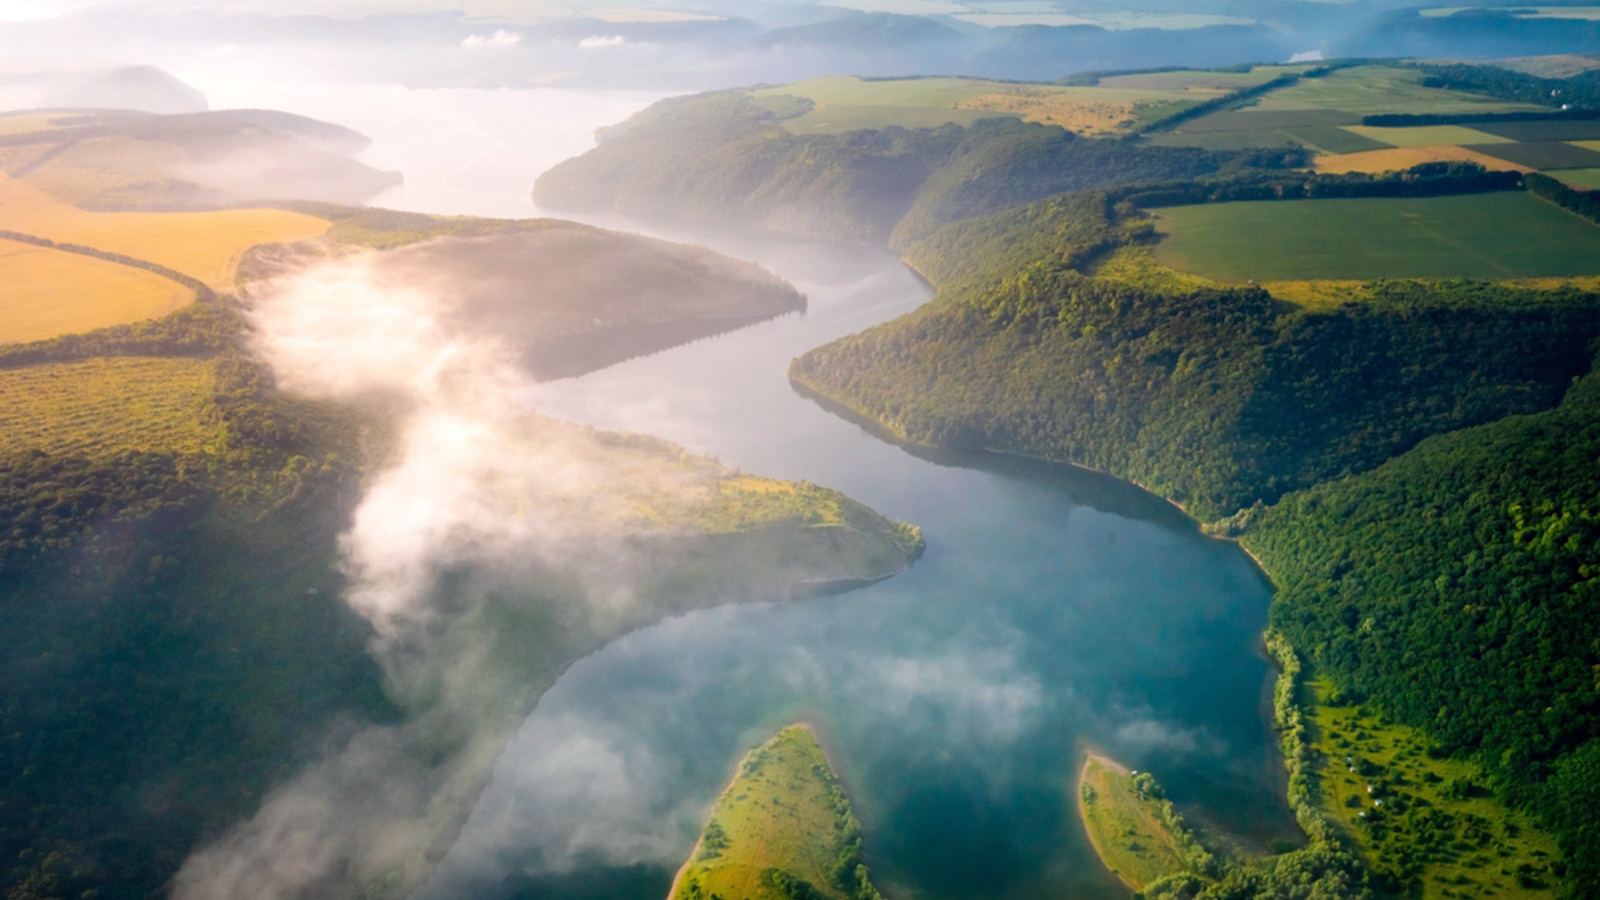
point(1372, 90)
point(1128, 836)
point(1543, 154)
point(1556, 130)
point(783, 811)
point(45, 293)
point(844, 103)
point(100, 405)
point(1420, 817)
point(203, 245)
point(1400, 158)
point(1582, 179)
point(1427, 135)
point(1500, 235)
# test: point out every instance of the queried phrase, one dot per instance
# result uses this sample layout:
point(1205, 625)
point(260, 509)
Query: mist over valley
point(779, 450)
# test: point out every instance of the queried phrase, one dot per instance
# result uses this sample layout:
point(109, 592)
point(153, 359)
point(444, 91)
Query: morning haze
point(759, 449)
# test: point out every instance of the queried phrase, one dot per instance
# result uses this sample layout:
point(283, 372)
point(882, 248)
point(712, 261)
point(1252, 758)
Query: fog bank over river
point(1053, 609)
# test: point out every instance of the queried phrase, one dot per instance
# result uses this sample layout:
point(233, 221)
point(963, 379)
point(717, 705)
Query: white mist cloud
point(501, 38)
point(474, 484)
point(596, 42)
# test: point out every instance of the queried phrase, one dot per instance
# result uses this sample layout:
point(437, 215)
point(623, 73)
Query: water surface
point(1054, 610)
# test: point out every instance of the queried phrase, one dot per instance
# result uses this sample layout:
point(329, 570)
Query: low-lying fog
point(1051, 611)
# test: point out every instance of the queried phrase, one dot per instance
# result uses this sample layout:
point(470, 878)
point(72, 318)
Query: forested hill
point(1455, 588)
point(1413, 465)
point(725, 157)
point(1218, 397)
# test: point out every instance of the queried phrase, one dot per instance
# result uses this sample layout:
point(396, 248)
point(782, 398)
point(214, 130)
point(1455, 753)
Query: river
point(1054, 610)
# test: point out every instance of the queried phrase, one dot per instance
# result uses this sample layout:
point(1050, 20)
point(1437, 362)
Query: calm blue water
point(1054, 611)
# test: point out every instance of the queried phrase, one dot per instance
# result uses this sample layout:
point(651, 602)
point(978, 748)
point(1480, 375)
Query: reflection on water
point(1055, 608)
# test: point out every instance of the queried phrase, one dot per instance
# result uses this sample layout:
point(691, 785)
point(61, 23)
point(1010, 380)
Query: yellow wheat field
point(203, 245)
point(45, 293)
point(84, 408)
point(1393, 160)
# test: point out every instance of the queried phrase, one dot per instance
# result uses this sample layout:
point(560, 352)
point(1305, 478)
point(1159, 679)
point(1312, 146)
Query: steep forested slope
point(723, 157)
point(1455, 587)
point(1217, 397)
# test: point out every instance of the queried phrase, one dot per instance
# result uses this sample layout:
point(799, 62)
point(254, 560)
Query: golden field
point(1399, 158)
point(203, 245)
point(45, 293)
point(97, 405)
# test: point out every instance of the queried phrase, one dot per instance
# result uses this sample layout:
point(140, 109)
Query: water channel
point(1055, 610)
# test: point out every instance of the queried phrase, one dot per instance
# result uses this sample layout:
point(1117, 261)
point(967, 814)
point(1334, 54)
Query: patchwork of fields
point(1325, 114)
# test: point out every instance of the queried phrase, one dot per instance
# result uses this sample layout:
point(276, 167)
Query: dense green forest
point(1219, 397)
point(1454, 587)
point(1414, 467)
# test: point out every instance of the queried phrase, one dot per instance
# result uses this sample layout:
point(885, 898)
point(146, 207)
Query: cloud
point(482, 510)
point(596, 42)
point(1149, 737)
point(501, 38)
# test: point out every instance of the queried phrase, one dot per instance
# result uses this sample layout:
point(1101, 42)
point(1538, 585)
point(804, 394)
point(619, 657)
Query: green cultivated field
point(843, 103)
point(1429, 135)
point(1370, 90)
point(1544, 131)
point(1543, 154)
point(1582, 179)
point(1501, 235)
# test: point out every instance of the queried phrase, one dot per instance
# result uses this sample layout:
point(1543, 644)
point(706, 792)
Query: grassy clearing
point(1372, 90)
point(843, 103)
point(1420, 817)
point(1543, 154)
point(1499, 235)
point(1427, 136)
point(1124, 827)
point(1400, 158)
point(204, 245)
point(1317, 296)
point(98, 405)
point(783, 816)
point(45, 293)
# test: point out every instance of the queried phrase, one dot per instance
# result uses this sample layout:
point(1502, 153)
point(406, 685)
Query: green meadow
point(1430, 823)
point(1499, 235)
